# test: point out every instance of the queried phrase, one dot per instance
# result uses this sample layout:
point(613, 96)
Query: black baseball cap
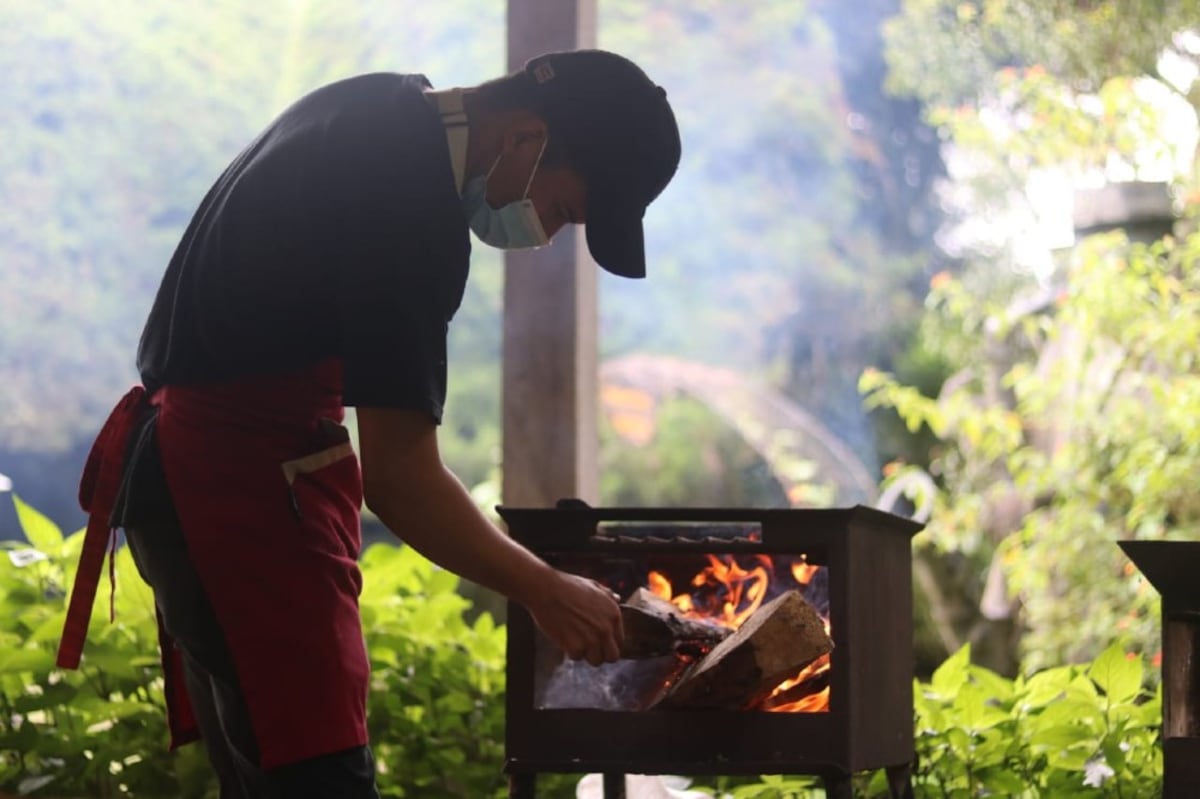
point(620, 134)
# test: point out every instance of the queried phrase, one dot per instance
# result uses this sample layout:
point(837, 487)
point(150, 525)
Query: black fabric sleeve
point(393, 342)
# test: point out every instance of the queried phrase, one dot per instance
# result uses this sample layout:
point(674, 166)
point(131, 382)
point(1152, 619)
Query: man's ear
point(525, 129)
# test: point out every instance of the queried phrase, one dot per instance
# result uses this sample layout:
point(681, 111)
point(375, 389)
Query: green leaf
point(1000, 689)
point(127, 708)
point(992, 748)
point(1119, 676)
point(109, 659)
point(1001, 781)
point(24, 739)
point(41, 532)
point(1045, 686)
point(960, 743)
point(1114, 753)
point(951, 676)
point(60, 694)
point(975, 712)
point(1073, 759)
point(1069, 710)
point(49, 629)
point(1083, 689)
point(17, 661)
point(1061, 736)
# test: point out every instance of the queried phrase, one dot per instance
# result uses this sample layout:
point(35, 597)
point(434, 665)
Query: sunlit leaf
point(949, 677)
point(16, 661)
point(1119, 676)
point(41, 532)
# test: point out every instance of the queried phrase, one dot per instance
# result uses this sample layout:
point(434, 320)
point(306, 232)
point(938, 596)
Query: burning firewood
point(654, 626)
point(806, 688)
point(774, 643)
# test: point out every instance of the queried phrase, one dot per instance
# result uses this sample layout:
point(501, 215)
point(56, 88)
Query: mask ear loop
point(536, 163)
point(495, 164)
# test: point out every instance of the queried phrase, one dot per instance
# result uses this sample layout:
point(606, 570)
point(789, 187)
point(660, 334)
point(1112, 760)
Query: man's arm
point(412, 492)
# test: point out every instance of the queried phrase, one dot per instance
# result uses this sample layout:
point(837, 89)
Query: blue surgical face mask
point(515, 226)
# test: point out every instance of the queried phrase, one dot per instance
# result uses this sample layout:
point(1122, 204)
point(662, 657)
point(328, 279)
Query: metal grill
point(868, 724)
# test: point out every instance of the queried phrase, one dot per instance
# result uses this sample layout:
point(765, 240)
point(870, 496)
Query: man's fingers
point(588, 625)
point(612, 650)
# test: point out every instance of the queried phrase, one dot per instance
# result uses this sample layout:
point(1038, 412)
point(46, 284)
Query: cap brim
point(616, 241)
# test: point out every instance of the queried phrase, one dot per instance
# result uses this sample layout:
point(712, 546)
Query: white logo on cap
point(543, 72)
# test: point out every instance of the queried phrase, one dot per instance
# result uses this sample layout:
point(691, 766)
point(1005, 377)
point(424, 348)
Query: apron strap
point(98, 491)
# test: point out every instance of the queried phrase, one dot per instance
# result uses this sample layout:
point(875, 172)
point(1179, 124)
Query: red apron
point(267, 490)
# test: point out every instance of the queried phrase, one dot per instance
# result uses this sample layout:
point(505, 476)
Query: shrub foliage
point(436, 706)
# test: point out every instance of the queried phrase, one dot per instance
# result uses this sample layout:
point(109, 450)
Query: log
point(654, 626)
point(773, 644)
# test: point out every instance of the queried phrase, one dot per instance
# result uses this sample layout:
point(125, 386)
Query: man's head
point(598, 138)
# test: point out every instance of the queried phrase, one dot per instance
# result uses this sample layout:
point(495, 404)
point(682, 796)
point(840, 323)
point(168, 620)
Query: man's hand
point(581, 617)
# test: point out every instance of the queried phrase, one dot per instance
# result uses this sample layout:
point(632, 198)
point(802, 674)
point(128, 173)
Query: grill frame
point(869, 724)
point(1171, 566)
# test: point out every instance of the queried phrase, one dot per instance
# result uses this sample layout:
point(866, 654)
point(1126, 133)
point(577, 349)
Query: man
point(320, 271)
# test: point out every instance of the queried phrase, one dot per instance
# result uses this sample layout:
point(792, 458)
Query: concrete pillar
point(549, 385)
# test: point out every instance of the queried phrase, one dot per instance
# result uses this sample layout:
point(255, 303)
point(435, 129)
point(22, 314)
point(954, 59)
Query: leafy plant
point(436, 712)
point(98, 731)
point(1079, 731)
point(436, 707)
point(1066, 731)
point(1071, 429)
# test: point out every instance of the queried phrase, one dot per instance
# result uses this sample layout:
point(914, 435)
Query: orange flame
point(728, 593)
point(809, 703)
point(813, 703)
point(804, 571)
point(659, 585)
point(723, 591)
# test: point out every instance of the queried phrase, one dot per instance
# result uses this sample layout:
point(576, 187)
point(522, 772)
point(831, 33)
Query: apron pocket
point(315, 462)
point(339, 450)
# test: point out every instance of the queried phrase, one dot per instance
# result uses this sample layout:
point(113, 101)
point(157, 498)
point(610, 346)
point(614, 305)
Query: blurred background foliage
point(805, 191)
point(875, 197)
point(1069, 358)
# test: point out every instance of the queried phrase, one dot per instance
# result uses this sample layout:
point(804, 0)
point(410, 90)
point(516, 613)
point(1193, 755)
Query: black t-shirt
point(338, 233)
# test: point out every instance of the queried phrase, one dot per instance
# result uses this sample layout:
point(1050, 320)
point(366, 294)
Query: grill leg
point(838, 786)
point(899, 779)
point(614, 785)
point(522, 786)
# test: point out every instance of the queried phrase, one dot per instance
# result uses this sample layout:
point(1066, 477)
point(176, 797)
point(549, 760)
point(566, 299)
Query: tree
point(1059, 433)
point(1084, 439)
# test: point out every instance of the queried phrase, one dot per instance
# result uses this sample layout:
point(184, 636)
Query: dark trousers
point(161, 555)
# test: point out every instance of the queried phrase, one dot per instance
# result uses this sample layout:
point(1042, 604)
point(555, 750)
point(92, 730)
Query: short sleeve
point(393, 346)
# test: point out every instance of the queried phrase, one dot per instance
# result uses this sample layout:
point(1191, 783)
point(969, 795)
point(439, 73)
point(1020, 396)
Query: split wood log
point(654, 626)
point(775, 643)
